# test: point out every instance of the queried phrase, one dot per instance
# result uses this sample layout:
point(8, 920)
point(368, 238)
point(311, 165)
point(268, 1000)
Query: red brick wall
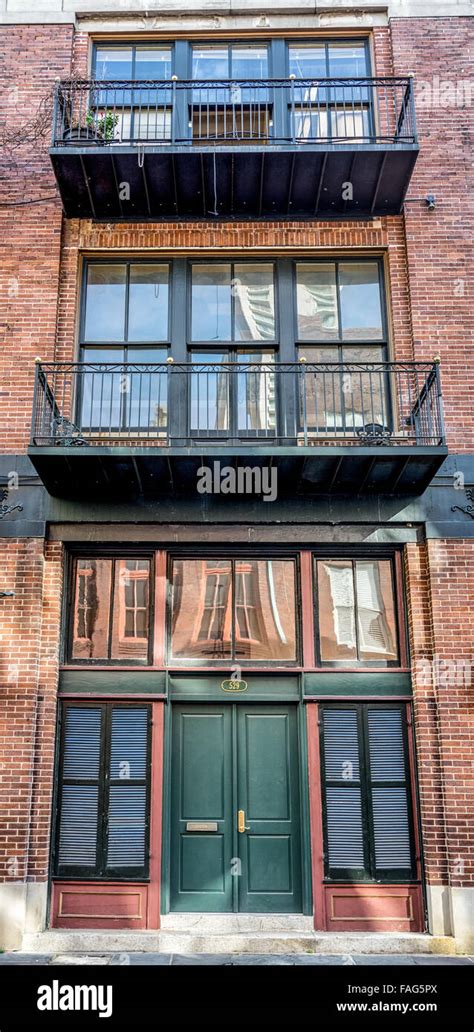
point(30, 234)
point(29, 641)
point(440, 583)
point(439, 245)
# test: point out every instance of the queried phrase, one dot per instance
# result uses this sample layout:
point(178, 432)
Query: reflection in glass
point(211, 302)
point(91, 609)
point(347, 60)
point(356, 611)
point(123, 399)
point(131, 609)
point(210, 392)
point(255, 620)
point(148, 303)
point(341, 398)
point(253, 292)
point(316, 301)
point(105, 303)
point(307, 62)
point(256, 399)
point(201, 616)
point(361, 312)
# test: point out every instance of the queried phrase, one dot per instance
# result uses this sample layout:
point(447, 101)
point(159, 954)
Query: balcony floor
point(241, 181)
point(122, 473)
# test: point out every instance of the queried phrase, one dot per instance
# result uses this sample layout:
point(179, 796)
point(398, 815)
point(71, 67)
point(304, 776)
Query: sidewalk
point(232, 960)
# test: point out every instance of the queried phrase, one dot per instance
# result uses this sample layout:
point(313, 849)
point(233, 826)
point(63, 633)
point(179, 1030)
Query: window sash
point(381, 830)
point(114, 607)
point(352, 617)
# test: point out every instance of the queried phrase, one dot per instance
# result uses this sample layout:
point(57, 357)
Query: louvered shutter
point(79, 804)
point(389, 791)
point(344, 827)
point(128, 791)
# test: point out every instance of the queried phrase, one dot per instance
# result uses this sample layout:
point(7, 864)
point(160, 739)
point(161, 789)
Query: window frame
point(339, 342)
point(124, 344)
point(370, 874)
point(246, 663)
point(70, 584)
point(229, 43)
point(133, 45)
point(330, 41)
point(104, 781)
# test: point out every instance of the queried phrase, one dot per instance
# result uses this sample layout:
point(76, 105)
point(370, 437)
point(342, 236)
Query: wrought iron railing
point(388, 403)
point(231, 112)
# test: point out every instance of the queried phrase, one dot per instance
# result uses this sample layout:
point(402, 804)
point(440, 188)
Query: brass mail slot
point(202, 826)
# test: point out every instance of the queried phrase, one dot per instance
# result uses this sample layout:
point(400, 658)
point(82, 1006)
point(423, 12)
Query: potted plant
point(99, 127)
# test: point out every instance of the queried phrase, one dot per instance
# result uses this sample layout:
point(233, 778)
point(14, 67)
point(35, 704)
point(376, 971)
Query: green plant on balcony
point(102, 125)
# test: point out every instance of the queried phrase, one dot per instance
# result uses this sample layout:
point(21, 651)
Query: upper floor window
point(132, 62)
point(233, 609)
point(232, 302)
point(328, 59)
point(230, 61)
point(111, 610)
point(356, 612)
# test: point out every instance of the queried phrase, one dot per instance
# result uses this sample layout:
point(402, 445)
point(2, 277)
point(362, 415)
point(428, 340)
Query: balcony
point(256, 148)
point(129, 430)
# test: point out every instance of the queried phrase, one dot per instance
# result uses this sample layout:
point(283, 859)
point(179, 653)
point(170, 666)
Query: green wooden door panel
point(268, 791)
point(201, 791)
point(226, 758)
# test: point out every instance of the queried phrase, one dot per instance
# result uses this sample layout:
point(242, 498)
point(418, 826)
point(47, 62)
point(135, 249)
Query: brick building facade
point(92, 478)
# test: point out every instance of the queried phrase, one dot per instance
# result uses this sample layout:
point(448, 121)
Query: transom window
point(356, 612)
point(111, 610)
point(225, 609)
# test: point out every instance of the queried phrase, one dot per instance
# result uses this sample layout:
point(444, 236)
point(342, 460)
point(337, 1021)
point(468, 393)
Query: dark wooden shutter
point(343, 792)
point(79, 806)
point(391, 819)
point(128, 791)
point(104, 801)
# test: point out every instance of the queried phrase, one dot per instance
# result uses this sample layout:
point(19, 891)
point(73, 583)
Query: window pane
point(210, 63)
point(349, 123)
point(113, 63)
point(146, 393)
point(100, 390)
point(148, 303)
point(366, 393)
point(152, 63)
point(201, 609)
point(361, 311)
point(209, 392)
point(265, 622)
point(316, 302)
point(321, 390)
point(347, 60)
point(376, 611)
point(336, 611)
point(253, 290)
point(211, 302)
point(249, 63)
point(256, 399)
point(131, 610)
point(307, 62)
point(93, 579)
point(105, 303)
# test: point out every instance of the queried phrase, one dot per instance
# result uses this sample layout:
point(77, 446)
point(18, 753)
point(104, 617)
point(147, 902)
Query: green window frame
point(119, 599)
point(103, 794)
point(366, 793)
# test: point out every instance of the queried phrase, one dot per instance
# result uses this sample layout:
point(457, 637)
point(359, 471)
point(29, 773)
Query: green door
point(235, 765)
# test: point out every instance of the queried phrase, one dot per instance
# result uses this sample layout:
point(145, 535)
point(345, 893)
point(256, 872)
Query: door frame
point(302, 765)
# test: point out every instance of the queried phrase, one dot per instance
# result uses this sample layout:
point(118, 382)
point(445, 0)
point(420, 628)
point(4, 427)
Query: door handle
point(241, 825)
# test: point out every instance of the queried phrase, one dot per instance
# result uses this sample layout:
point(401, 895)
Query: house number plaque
point(234, 686)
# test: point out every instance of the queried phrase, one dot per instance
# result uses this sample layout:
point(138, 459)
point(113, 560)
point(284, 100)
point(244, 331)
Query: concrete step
point(59, 941)
point(229, 923)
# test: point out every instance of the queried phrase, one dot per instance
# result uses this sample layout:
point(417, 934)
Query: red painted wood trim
point(315, 816)
point(156, 815)
point(307, 608)
point(413, 786)
point(160, 609)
